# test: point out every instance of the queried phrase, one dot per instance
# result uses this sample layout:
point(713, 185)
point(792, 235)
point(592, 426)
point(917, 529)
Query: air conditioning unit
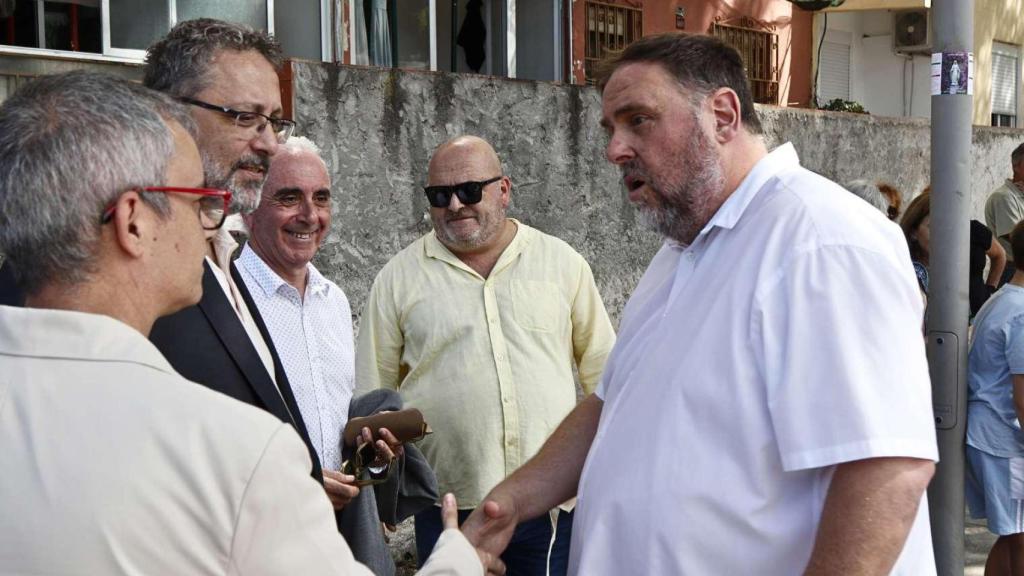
point(911, 31)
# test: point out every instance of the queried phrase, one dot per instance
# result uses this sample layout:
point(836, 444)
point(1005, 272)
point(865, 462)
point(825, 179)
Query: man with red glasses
point(107, 453)
point(479, 325)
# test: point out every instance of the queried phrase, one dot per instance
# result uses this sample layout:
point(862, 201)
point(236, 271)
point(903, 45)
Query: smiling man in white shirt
point(747, 421)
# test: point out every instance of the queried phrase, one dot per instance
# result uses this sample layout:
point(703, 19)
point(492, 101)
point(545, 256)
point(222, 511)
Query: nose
point(265, 141)
point(307, 210)
point(618, 151)
point(455, 203)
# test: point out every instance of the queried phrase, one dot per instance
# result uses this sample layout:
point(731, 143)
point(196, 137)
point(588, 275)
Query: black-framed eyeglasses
point(213, 207)
point(248, 120)
point(468, 192)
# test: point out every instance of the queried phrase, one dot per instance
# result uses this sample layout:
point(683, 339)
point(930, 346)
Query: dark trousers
point(527, 552)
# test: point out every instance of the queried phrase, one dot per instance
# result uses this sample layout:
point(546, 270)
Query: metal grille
point(609, 27)
point(760, 52)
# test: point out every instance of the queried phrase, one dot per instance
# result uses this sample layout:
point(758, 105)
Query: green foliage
point(840, 105)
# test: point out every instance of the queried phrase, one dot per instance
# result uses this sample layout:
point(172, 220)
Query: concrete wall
point(378, 128)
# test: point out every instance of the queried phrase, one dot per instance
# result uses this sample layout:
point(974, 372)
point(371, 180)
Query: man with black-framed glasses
point(227, 76)
point(479, 324)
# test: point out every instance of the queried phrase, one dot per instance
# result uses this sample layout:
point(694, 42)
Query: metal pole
point(953, 32)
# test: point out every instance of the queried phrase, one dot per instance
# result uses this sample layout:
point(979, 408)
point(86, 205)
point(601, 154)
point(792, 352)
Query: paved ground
point(977, 541)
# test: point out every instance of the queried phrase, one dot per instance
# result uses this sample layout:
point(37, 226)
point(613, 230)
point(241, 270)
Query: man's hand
point(340, 488)
point(450, 519)
point(387, 445)
point(489, 528)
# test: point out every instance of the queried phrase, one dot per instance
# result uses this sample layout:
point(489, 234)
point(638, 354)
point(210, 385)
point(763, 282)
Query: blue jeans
point(527, 552)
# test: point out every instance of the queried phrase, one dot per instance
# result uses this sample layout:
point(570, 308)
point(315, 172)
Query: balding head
point(466, 162)
point(462, 159)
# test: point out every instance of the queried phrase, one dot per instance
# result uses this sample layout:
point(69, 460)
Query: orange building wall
point(792, 24)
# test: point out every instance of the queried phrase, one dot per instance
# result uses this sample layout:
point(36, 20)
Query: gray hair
point(1017, 156)
point(869, 192)
point(70, 144)
point(178, 63)
point(299, 144)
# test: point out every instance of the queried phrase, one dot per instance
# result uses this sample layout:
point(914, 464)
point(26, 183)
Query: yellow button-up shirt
point(489, 361)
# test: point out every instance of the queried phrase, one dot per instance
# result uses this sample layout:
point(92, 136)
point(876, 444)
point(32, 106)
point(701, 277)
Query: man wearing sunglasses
point(479, 325)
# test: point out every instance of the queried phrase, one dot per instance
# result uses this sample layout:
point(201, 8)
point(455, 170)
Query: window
point(1005, 83)
point(119, 28)
point(758, 44)
point(609, 27)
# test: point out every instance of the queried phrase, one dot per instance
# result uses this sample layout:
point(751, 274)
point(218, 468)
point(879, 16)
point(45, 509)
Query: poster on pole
point(952, 73)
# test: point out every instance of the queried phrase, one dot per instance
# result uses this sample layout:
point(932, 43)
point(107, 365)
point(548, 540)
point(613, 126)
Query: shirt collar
point(782, 158)
point(270, 282)
point(433, 248)
point(34, 332)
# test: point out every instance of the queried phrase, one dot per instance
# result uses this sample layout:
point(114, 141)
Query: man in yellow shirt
point(479, 324)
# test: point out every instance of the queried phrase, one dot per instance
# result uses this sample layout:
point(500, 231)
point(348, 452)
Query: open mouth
point(633, 183)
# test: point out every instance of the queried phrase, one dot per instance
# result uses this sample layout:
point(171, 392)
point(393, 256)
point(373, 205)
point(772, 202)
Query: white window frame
point(510, 34)
point(109, 53)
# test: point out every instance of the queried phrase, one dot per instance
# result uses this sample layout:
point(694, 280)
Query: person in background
point(870, 193)
point(995, 411)
point(1005, 207)
point(895, 200)
point(916, 224)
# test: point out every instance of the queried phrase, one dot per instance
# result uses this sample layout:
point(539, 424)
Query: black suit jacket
point(207, 343)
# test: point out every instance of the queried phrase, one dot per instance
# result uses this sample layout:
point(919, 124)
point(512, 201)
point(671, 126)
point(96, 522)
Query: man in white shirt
point(747, 421)
point(112, 462)
point(310, 323)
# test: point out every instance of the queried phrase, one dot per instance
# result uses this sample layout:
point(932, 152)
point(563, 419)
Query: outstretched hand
point(489, 528)
point(450, 519)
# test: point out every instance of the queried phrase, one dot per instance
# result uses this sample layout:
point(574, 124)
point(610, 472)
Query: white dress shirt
point(783, 341)
point(313, 337)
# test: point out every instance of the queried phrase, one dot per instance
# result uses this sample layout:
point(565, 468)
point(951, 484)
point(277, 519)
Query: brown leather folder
point(407, 425)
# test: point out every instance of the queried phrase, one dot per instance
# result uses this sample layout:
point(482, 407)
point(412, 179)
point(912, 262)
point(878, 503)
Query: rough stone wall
point(378, 127)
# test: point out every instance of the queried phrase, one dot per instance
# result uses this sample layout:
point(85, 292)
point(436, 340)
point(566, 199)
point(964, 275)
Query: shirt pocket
point(536, 304)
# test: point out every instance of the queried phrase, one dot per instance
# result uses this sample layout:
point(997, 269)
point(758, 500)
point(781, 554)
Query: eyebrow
point(623, 111)
point(286, 191)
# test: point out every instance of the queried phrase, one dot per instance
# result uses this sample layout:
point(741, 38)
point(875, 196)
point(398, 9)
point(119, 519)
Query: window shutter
point(834, 72)
point(1005, 65)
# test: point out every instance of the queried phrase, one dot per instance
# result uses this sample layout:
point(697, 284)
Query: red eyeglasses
point(213, 207)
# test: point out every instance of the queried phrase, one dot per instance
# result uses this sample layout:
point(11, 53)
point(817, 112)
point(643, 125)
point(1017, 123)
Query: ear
point(131, 224)
point(506, 190)
point(727, 113)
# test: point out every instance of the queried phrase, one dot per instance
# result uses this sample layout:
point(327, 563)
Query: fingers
point(449, 512)
point(492, 564)
point(384, 451)
point(340, 488)
point(393, 442)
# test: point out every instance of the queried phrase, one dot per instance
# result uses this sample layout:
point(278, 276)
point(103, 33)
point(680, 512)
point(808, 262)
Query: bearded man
point(747, 421)
point(479, 324)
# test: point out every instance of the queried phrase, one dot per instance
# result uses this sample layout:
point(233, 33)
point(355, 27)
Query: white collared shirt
point(783, 341)
point(313, 337)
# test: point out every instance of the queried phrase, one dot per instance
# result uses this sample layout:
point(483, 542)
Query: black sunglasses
point(468, 192)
